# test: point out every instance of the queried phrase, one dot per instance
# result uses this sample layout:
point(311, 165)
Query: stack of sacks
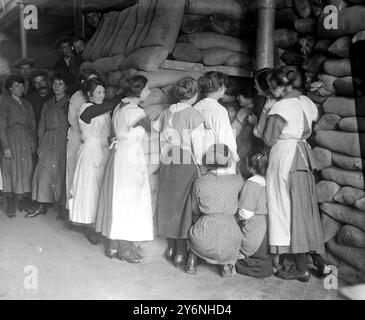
point(303, 39)
point(341, 194)
point(138, 37)
point(212, 32)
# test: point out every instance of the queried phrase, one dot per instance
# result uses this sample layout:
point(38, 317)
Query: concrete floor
point(69, 267)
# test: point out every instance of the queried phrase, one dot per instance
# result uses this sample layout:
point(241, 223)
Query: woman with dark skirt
point(182, 131)
point(18, 143)
point(48, 186)
point(294, 220)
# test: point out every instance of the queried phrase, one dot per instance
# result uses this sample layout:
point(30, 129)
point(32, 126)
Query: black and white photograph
point(200, 152)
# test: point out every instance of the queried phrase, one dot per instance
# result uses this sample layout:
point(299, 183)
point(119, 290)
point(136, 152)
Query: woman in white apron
point(91, 161)
point(294, 220)
point(74, 133)
point(125, 208)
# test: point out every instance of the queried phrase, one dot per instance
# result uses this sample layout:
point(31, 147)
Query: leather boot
point(111, 251)
point(10, 207)
point(192, 264)
point(171, 249)
point(42, 209)
point(62, 213)
point(181, 254)
point(25, 204)
point(128, 252)
point(92, 235)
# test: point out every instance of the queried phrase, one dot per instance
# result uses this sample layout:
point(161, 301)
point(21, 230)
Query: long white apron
point(91, 161)
point(132, 217)
point(74, 141)
point(280, 161)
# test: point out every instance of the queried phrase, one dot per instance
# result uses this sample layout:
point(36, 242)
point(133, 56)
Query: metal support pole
point(79, 18)
point(23, 31)
point(265, 34)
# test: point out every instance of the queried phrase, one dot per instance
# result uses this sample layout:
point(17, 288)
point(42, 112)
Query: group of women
point(205, 209)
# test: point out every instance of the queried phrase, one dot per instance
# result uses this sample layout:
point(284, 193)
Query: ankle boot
point(171, 249)
point(111, 251)
point(62, 213)
point(92, 235)
point(128, 252)
point(322, 269)
point(10, 207)
point(181, 254)
point(42, 209)
point(192, 264)
point(25, 204)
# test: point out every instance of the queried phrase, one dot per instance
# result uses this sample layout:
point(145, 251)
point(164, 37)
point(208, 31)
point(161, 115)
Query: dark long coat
point(17, 133)
point(48, 184)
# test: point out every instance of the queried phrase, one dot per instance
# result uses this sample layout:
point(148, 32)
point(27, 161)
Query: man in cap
point(24, 66)
point(69, 61)
point(40, 81)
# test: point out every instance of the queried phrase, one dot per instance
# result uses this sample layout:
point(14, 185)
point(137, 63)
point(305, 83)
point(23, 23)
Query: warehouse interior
point(165, 41)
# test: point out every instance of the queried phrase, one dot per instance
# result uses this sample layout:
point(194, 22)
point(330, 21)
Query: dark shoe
point(170, 254)
point(179, 260)
point(11, 215)
point(192, 264)
point(10, 207)
point(129, 256)
point(322, 269)
point(293, 274)
point(38, 211)
point(227, 270)
point(62, 214)
point(92, 236)
point(24, 206)
point(110, 253)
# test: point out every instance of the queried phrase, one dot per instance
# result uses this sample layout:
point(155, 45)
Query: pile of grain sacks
point(303, 39)
point(166, 40)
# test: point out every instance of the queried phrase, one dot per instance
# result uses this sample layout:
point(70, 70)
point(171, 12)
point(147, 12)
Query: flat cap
point(61, 40)
point(23, 61)
point(38, 73)
point(91, 8)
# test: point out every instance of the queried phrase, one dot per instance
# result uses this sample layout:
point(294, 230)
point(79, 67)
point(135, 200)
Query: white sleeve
point(245, 214)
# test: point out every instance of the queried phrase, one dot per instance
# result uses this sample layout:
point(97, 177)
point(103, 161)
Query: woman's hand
point(252, 119)
point(7, 154)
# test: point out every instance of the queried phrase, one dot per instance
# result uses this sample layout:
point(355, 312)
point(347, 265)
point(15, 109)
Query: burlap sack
point(351, 236)
point(329, 121)
point(344, 214)
point(351, 144)
point(326, 190)
point(330, 227)
point(323, 157)
point(353, 256)
point(348, 195)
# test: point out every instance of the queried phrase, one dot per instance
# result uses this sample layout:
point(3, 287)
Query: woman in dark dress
point(48, 186)
point(18, 143)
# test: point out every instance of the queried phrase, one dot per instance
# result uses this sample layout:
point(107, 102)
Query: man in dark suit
point(69, 62)
point(40, 81)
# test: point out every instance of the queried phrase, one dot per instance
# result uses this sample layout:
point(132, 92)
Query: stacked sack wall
point(166, 40)
point(303, 40)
